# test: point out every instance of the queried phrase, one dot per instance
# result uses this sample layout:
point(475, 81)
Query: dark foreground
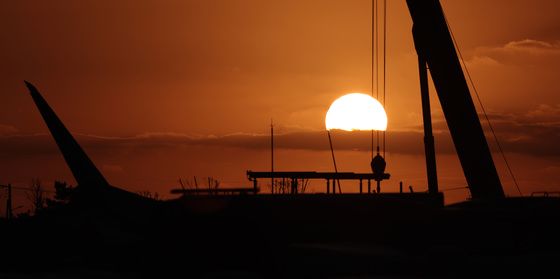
point(304, 236)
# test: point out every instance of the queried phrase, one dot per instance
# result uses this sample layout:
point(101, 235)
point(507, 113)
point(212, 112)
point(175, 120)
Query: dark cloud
point(536, 132)
point(526, 52)
point(399, 142)
point(532, 45)
point(7, 130)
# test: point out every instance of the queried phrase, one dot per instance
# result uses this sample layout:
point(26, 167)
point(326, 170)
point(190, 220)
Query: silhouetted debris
point(63, 193)
point(36, 195)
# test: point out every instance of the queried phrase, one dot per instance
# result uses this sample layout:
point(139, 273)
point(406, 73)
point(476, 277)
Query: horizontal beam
point(219, 190)
point(316, 175)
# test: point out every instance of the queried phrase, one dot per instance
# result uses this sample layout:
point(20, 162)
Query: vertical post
point(369, 186)
point(255, 186)
point(360, 185)
point(378, 186)
point(428, 135)
point(9, 203)
point(400, 187)
point(271, 156)
point(328, 186)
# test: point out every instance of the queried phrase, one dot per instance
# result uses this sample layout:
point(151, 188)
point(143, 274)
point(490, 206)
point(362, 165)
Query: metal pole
point(360, 185)
point(334, 162)
point(428, 135)
point(271, 156)
point(9, 203)
point(255, 185)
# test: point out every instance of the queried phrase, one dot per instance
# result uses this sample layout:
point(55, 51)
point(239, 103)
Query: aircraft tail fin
point(83, 169)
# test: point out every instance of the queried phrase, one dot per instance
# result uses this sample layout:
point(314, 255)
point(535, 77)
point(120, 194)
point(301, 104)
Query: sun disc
point(355, 112)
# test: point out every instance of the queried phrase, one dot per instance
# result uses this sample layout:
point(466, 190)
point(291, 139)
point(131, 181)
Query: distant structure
point(329, 177)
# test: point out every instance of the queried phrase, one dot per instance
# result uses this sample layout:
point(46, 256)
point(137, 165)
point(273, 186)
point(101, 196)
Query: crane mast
point(435, 46)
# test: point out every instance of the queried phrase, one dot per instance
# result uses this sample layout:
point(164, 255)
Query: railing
point(545, 194)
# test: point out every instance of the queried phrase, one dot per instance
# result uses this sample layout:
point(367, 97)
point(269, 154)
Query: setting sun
point(356, 111)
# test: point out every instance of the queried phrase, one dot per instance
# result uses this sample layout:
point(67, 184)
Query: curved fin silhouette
point(83, 169)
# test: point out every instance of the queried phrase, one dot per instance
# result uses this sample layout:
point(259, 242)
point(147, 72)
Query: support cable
point(384, 64)
point(373, 49)
point(376, 35)
point(481, 105)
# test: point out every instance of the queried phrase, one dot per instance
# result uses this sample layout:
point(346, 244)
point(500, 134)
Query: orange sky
point(166, 89)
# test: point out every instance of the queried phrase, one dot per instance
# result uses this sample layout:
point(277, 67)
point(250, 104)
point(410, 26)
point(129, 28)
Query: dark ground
point(310, 236)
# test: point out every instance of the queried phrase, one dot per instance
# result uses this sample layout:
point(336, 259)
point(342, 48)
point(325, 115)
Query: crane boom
point(434, 45)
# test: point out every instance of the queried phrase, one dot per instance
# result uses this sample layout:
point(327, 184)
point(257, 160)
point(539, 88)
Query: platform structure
point(331, 179)
point(217, 191)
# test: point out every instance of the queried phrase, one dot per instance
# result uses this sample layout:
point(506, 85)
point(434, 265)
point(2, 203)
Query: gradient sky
point(157, 90)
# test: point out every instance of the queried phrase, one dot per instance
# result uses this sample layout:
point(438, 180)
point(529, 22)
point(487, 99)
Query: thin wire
point(376, 33)
point(384, 61)
point(376, 60)
point(372, 59)
point(482, 106)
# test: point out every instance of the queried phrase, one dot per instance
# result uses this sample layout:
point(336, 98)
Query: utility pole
point(271, 156)
point(9, 210)
point(9, 214)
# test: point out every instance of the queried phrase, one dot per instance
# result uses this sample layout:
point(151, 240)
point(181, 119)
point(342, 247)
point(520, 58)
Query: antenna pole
point(9, 213)
point(271, 156)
